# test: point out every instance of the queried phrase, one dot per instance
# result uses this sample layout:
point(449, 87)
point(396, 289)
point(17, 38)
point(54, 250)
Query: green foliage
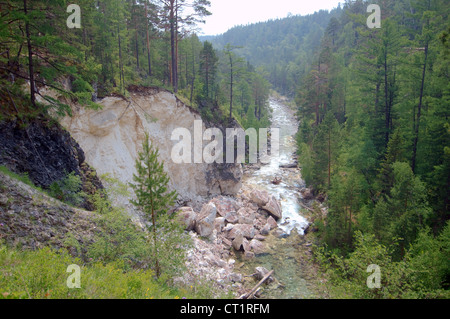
point(150, 185)
point(283, 47)
point(383, 93)
point(419, 275)
point(120, 240)
point(42, 274)
point(24, 178)
point(68, 189)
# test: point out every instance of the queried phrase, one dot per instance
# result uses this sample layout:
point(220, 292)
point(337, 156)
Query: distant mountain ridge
point(284, 48)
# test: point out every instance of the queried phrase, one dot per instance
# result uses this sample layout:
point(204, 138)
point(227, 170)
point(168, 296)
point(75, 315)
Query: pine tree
point(153, 197)
point(208, 67)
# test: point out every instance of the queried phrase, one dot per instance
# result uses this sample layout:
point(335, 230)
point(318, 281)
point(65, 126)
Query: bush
point(68, 190)
point(43, 274)
point(421, 274)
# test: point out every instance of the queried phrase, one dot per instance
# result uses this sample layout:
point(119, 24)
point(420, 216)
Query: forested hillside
point(283, 48)
point(103, 47)
point(374, 137)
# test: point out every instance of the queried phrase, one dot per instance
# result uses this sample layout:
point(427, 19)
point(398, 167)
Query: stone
point(259, 197)
point(187, 217)
point(235, 277)
point(272, 222)
point(225, 205)
point(265, 230)
point(261, 272)
point(226, 242)
point(257, 247)
point(248, 231)
point(204, 224)
point(274, 208)
point(246, 245)
point(228, 228)
point(232, 217)
point(219, 224)
point(260, 237)
point(3, 200)
point(237, 241)
point(249, 254)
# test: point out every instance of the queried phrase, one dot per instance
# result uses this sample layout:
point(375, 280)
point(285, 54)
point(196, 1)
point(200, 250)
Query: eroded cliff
point(112, 137)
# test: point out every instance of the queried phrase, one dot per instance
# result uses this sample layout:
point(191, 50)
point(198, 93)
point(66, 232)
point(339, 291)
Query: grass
point(24, 178)
point(115, 266)
point(42, 274)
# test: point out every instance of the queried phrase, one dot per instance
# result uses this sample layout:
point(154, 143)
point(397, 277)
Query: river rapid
point(284, 254)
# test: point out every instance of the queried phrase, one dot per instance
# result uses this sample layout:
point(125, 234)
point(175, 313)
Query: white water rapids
point(288, 190)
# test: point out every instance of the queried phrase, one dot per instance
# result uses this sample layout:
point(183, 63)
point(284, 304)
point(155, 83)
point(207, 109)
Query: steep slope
point(113, 136)
point(45, 152)
point(32, 219)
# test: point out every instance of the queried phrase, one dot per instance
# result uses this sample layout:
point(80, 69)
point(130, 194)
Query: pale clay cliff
point(113, 136)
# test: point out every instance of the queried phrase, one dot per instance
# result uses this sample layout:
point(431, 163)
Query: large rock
point(237, 241)
point(219, 223)
point(257, 247)
point(232, 217)
point(272, 223)
point(261, 272)
point(260, 197)
point(246, 230)
point(246, 245)
point(274, 208)
point(265, 230)
point(246, 216)
point(187, 217)
point(204, 224)
point(225, 205)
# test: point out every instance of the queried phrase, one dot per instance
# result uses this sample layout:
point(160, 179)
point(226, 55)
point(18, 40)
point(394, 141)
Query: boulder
point(246, 230)
point(259, 197)
point(227, 242)
point(187, 217)
point(272, 223)
point(246, 216)
point(261, 272)
point(204, 224)
point(257, 247)
point(246, 245)
point(265, 230)
point(219, 223)
point(232, 217)
point(225, 205)
point(273, 207)
point(237, 241)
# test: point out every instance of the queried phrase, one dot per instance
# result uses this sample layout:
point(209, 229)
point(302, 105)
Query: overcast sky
point(229, 13)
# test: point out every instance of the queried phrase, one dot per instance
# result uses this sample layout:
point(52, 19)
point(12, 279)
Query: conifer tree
point(153, 197)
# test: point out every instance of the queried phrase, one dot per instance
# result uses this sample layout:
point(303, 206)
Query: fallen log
point(294, 165)
point(250, 294)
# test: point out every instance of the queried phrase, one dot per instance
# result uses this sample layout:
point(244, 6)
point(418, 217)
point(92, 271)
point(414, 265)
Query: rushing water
point(283, 253)
point(288, 190)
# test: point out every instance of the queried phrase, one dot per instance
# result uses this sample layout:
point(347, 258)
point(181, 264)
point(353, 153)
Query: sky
point(229, 13)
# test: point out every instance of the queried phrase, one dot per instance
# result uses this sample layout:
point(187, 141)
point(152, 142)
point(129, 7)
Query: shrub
point(68, 189)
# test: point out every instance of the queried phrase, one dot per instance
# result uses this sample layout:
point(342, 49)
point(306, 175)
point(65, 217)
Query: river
point(284, 254)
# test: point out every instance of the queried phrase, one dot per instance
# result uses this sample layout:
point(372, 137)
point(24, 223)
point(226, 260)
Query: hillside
point(282, 48)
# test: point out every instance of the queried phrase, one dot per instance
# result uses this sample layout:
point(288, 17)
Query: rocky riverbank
point(226, 228)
